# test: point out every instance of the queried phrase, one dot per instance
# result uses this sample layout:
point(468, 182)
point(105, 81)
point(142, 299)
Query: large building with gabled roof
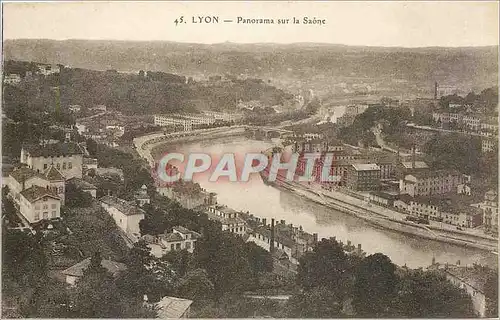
point(66, 157)
point(38, 203)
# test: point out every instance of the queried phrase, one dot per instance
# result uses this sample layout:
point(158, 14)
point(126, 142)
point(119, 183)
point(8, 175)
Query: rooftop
point(77, 269)
point(82, 184)
point(122, 205)
point(171, 237)
point(451, 203)
point(24, 173)
point(385, 195)
point(418, 165)
point(184, 230)
point(172, 307)
point(34, 193)
point(365, 166)
point(53, 174)
point(474, 276)
point(434, 174)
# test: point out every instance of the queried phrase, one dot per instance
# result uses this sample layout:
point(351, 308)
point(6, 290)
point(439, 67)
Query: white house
point(141, 197)
point(179, 239)
point(126, 216)
point(12, 78)
point(430, 183)
point(47, 69)
point(489, 209)
point(38, 203)
point(67, 157)
point(23, 178)
point(229, 218)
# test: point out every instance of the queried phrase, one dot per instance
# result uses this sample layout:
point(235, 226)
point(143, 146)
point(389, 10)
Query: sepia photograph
point(235, 159)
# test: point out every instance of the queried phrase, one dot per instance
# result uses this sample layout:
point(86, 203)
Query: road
point(380, 141)
point(427, 128)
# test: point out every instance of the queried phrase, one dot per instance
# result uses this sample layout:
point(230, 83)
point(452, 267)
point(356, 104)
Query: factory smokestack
point(271, 243)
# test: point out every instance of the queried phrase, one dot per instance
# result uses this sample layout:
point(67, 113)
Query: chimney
point(271, 243)
point(315, 238)
point(282, 221)
point(433, 260)
point(458, 262)
point(413, 157)
point(264, 221)
point(359, 247)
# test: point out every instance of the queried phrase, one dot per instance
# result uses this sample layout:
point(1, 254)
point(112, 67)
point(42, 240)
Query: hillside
point(462, 67)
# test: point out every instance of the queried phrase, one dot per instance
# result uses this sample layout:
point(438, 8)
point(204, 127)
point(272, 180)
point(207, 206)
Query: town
point(83, 202)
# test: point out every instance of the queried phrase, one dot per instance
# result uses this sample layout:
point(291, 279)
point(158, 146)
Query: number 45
point(179, 20)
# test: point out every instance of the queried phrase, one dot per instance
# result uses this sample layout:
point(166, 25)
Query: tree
point(92, 147)
point(139, 278)
point(75, 197)
point(195, 285)
point(428, 294)
point(374, 286)
point(319, 302)
point(223, 256)
point(326, 266)
point(95, 295)
point(260, 259)
point(491, 293)
point(179, 260)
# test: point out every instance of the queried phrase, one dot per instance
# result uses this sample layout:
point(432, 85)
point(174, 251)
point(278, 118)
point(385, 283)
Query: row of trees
point(336, 284)
point(487, 98)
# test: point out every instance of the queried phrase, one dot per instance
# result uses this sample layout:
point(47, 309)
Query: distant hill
point(477, 66)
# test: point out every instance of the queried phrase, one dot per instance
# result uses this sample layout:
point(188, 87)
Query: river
point(268, 202)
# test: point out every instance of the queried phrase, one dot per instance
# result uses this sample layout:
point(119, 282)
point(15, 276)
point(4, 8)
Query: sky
point(404, 24)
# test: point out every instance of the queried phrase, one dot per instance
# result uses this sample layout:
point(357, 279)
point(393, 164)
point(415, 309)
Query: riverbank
point(370, 213)
point(377, 220)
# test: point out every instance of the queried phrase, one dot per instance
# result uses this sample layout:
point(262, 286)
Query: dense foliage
point(336, 284)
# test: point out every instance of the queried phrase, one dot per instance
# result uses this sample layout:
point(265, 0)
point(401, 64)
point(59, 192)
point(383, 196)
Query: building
point(110, 173)
point(126, 216)
point(47, 69)
point(75, 108)
point(75, 272)
point(446, 210)
point(489, 144)
point(89, 164)
point(12, 78)
point(67, 157)
point(23, 178)
point(430, 183)
point(409, 167)
point(363, 177)
point(292, 242)
point(228, 117)
point(38, 203)
point(489, 208)
point(173, 308)
point(470, 278)
point(189, 194)
point(179, 239)
point(141, 197)
point(443, 90)
point(229, 218)
point(84, 186)
point(187, 121)
point(383, 198)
